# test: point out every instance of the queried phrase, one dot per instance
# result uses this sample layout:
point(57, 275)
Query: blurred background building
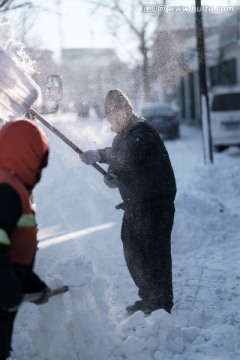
point(161, 54)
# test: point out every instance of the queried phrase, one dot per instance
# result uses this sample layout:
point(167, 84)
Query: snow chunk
point(132, 345)
point(190, 334)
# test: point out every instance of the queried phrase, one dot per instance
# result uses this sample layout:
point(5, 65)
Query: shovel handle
point(64, 138)
point(35, 296)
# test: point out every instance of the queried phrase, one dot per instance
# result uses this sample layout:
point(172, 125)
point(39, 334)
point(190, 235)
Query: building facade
point(223, 67)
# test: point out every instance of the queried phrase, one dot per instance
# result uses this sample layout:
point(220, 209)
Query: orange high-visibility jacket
point(23, 149)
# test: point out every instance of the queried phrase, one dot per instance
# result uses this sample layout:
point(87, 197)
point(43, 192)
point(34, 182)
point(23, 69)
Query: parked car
point(82, 109)
point(99, 111)
point(163, 117)
point(225, 116)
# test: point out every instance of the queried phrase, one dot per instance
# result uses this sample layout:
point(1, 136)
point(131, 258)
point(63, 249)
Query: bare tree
point(23, 14)
point(6, 5)
point(140, 22)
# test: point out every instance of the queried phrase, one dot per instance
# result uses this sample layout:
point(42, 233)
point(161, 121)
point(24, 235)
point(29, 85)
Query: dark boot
point(146, 308)
point(137, 306)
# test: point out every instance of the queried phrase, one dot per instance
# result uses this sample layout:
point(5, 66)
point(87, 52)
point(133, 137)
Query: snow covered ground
point(80, 246)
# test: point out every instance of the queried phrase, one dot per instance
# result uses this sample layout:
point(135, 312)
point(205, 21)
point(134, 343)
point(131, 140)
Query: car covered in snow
point(163, 117)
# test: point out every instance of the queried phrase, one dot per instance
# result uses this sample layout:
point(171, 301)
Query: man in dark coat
point(140, 167)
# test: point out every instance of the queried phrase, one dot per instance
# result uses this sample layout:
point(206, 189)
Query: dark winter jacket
point(140, 160)
point(23, 147)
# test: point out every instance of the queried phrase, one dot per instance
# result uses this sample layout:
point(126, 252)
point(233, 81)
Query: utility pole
point(205, 113)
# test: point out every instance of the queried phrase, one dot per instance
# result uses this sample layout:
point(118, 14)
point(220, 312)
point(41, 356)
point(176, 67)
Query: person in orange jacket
point(23, 154)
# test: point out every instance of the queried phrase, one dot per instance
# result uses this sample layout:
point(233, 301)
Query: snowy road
point(80, 236)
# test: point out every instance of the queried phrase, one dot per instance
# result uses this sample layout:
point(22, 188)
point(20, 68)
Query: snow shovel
point(36, 296)
point(18, 92)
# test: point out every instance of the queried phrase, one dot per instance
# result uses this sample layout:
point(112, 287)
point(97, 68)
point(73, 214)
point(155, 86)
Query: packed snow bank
point(72, 325)
point(90, 322)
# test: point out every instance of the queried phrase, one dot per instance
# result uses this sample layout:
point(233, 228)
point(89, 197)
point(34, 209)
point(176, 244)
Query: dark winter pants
point(6, 329)
point(30, 283)
point(146, 236)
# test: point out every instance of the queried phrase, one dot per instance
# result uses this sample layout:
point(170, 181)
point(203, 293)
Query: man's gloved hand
point(111, 180)
point(120, 206)
point(43, 299)
point(90, 157)
point(10, 290)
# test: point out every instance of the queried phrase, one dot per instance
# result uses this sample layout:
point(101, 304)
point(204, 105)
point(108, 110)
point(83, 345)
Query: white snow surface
point(80, 246)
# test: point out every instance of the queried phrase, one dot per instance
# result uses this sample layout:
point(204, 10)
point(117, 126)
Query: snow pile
point(148, 337)
point(71, 325)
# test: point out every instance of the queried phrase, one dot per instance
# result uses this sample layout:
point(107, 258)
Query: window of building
point(182, 99)
point(214, 75)
point(192, 96)
point(224, 73)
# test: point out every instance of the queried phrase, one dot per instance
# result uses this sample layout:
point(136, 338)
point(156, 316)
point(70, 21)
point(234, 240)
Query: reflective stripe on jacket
point(4, 239)
point(22, 241)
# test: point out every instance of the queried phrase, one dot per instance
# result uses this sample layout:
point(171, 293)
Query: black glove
point(90, 157)
point(43, 299)
point(120, 206)
point(10, 290)
point(111, 180)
